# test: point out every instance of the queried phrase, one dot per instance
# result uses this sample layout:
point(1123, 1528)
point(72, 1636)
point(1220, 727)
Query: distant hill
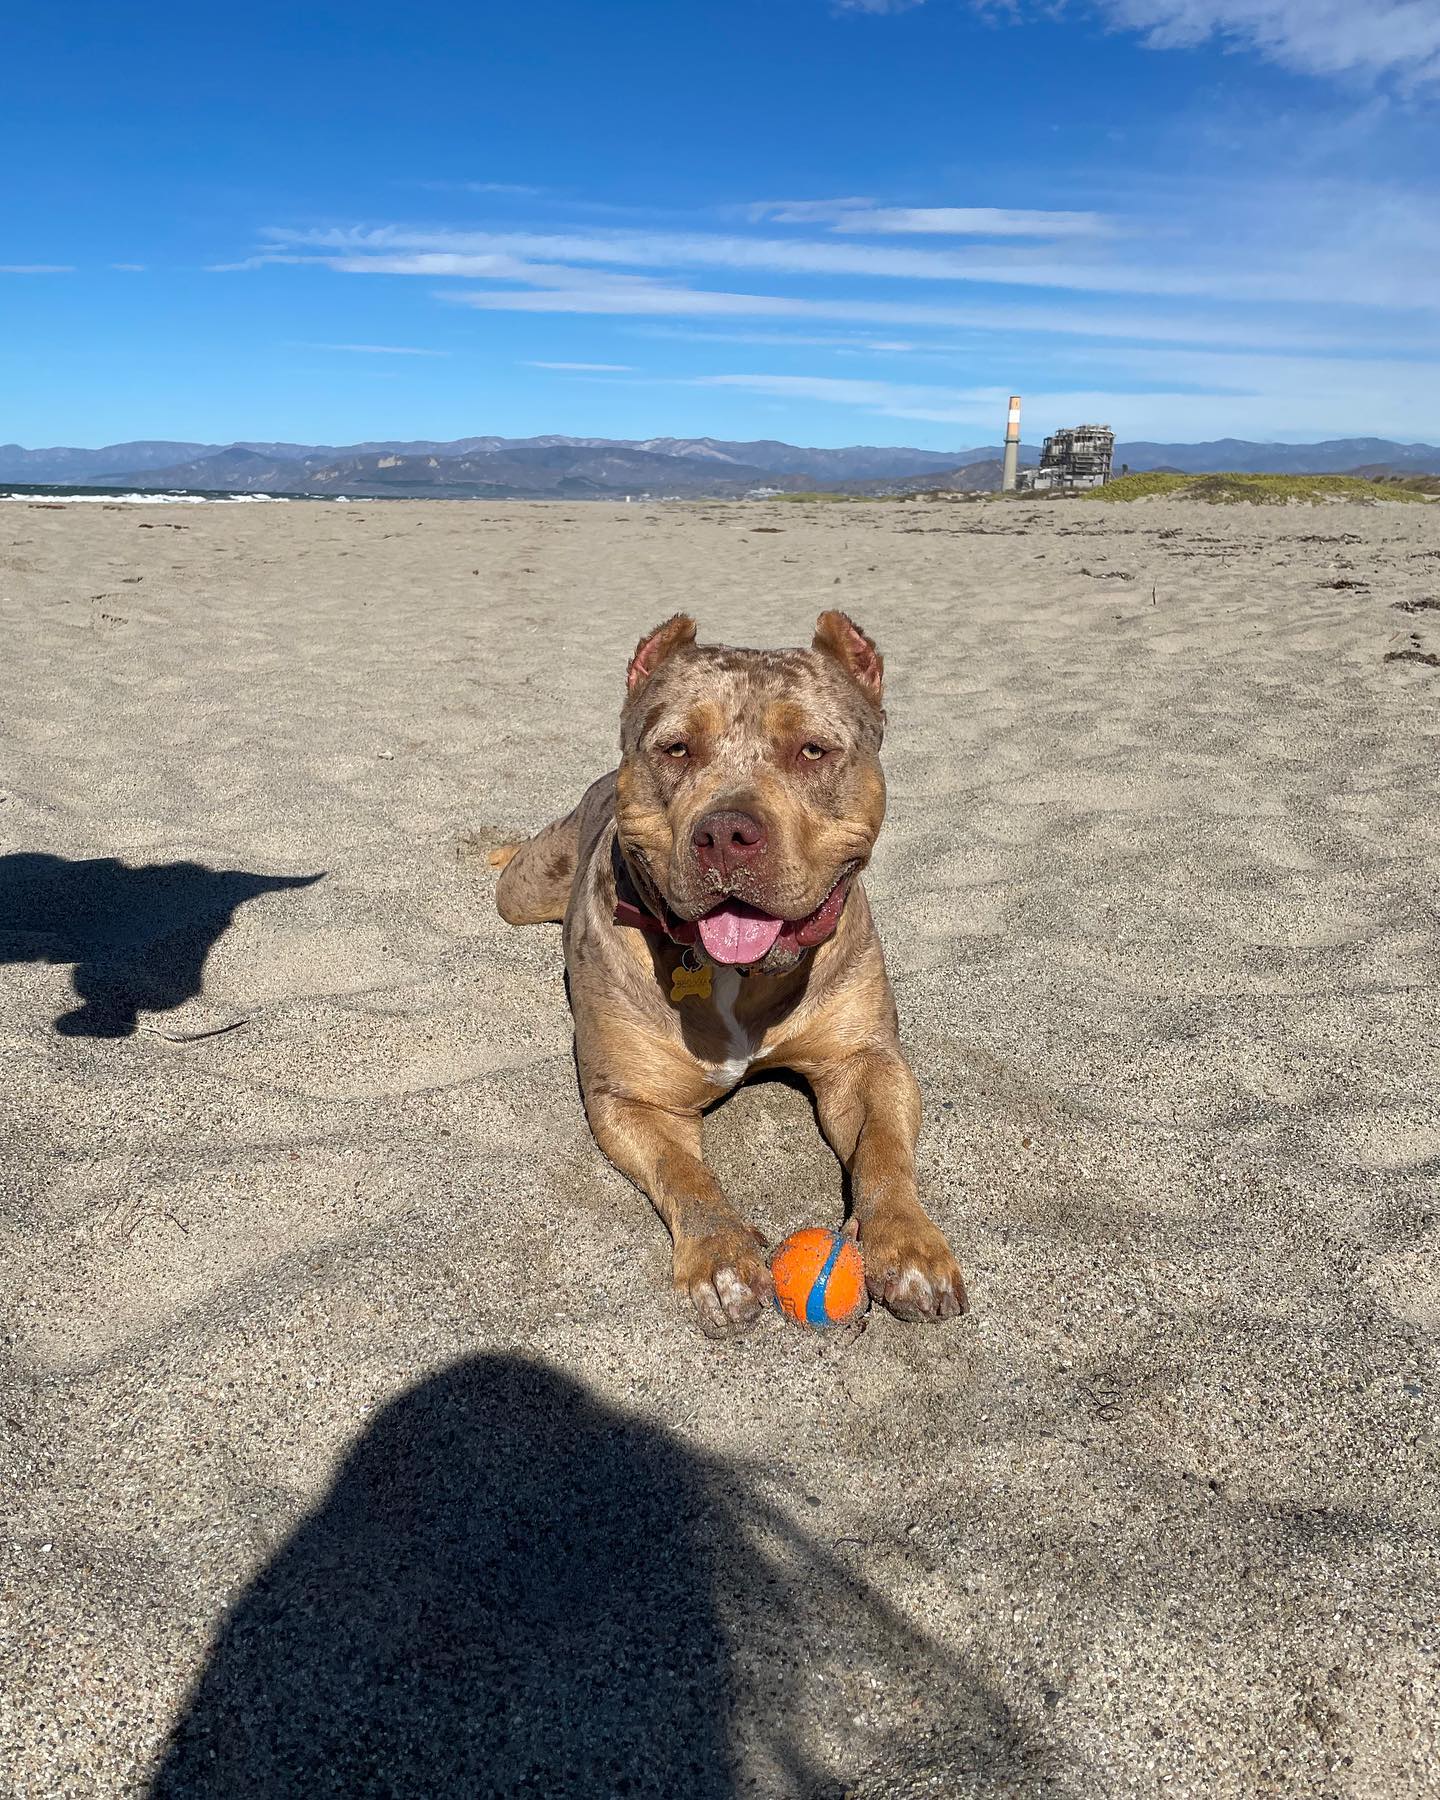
point(523, 472)
point(256, 467)
point(979, 477)
point(857, 462)
point(19, 464)
point(604, 468)
point(1225, 455)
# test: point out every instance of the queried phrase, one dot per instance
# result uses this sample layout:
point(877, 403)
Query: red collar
point(630, 908)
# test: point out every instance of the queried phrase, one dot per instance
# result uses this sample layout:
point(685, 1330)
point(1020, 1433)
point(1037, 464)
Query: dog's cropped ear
point(839, 636)
point(656, 645)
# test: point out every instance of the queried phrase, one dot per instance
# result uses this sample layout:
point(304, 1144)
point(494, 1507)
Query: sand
point(348, 1429)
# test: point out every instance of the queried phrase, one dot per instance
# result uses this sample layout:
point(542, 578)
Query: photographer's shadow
point(513, 1589)
point(507, 1591)
point(138, 936)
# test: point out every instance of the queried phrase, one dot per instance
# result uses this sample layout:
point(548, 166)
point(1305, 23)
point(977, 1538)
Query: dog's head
point(750, 791)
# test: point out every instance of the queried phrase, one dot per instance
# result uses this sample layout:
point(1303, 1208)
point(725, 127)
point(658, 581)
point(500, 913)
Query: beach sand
point(321, 1306)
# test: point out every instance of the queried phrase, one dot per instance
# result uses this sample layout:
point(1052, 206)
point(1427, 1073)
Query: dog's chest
point(737, 1045)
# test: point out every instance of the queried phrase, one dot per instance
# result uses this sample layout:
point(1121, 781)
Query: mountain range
point(604, 468)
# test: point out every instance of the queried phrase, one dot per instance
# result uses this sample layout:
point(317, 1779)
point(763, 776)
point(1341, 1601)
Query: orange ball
point(819, 1278)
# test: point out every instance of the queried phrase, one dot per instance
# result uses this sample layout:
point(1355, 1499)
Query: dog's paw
point(724, 1277)
point(909, 1267)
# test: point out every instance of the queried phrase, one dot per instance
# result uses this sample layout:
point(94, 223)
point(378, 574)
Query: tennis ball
point(819, 1278)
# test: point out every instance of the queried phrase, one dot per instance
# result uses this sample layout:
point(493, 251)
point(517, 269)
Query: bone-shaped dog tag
point(689, 984)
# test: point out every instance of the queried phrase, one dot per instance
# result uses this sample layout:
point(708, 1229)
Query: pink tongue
point(736, 934)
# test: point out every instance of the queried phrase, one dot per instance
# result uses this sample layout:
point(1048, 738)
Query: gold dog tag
point(690, 984)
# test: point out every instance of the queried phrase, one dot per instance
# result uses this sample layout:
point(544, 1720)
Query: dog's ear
point(838, 636)
point(656, 645)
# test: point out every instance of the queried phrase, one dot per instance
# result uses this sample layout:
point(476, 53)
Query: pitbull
point(715, 924)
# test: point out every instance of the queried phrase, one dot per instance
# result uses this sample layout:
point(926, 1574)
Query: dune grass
point(1408, 485)
point(1257, 490)
point(827, 497)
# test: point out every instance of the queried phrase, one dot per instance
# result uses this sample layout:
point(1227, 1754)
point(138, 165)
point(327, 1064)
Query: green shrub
point(1256, 490)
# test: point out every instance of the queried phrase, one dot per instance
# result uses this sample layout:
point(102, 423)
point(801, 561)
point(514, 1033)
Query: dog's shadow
point(513, 1588)
point(138, 936)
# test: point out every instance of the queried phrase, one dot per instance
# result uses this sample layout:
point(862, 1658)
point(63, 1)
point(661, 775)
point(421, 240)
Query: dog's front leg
point(719, 1260)
point(869, 1107)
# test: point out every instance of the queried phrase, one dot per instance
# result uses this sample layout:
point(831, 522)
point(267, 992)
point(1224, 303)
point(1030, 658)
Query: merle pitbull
point(715, 923)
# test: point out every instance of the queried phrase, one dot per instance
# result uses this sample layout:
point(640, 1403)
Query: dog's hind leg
point(536, 876)
point(535, 879)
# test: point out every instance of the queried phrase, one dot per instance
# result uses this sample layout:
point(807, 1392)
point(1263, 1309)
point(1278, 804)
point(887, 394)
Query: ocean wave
point(56, 499)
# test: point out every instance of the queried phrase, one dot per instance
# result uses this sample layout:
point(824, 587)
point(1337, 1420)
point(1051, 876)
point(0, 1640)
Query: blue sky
point(823, 221)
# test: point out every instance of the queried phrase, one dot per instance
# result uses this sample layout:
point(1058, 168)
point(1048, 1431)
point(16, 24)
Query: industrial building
point(1073, 459)
point(1077, 457)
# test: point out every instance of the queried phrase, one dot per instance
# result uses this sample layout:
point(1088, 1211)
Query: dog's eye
point(812, 752)
point(678, 751)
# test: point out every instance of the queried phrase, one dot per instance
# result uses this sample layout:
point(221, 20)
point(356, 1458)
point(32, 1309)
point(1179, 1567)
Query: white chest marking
point(725, 991)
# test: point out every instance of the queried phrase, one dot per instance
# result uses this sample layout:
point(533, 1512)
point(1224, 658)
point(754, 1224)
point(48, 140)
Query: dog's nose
point(726, 841)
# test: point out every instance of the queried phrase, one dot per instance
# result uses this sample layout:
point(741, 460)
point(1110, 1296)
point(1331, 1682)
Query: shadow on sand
point(138, 937)
point(513, 1589)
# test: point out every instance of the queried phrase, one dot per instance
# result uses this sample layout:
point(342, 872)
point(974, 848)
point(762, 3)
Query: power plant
point(1072, 460)
point(1075, 458)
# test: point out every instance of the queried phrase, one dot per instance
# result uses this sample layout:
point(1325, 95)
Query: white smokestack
point(1010, 478)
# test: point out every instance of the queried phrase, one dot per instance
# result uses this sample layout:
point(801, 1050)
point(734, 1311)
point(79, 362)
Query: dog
point(715, 924)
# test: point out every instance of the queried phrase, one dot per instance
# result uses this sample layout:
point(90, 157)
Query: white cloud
point(1399, 38)
point(505, 190)
point(855, 215)
point(537, 287)
point(376, 349)
point(903, 400)
point(1319, 37)
point(851, 342)
point(805, 212)
point(1317, 244)
point(558, 290)
point(561, 290)
point(1314, 398)
point(129, 268)
point(517, 188)
point(37, 268)
point(480, 252)
point(975, 221)
point(886, 395)
point(1307, 306)
point(877, 6)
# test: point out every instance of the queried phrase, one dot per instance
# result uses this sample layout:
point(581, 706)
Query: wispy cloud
point(129, 268)
point(563, 291)
point(877, 6)
point(1325, 243)
point(375, 349)
point(1302, 305)
point(516, 189)
point(805, 212)
point(1239, 396)
point(421, 251)
point(1399, 38)
point(1319, 37)
point(554, 287)
point(37, 268)
point(902, 400)
point(853, 343)
point(854, 215)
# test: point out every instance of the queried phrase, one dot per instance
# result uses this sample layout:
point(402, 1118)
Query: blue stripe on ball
point(815, 1313)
